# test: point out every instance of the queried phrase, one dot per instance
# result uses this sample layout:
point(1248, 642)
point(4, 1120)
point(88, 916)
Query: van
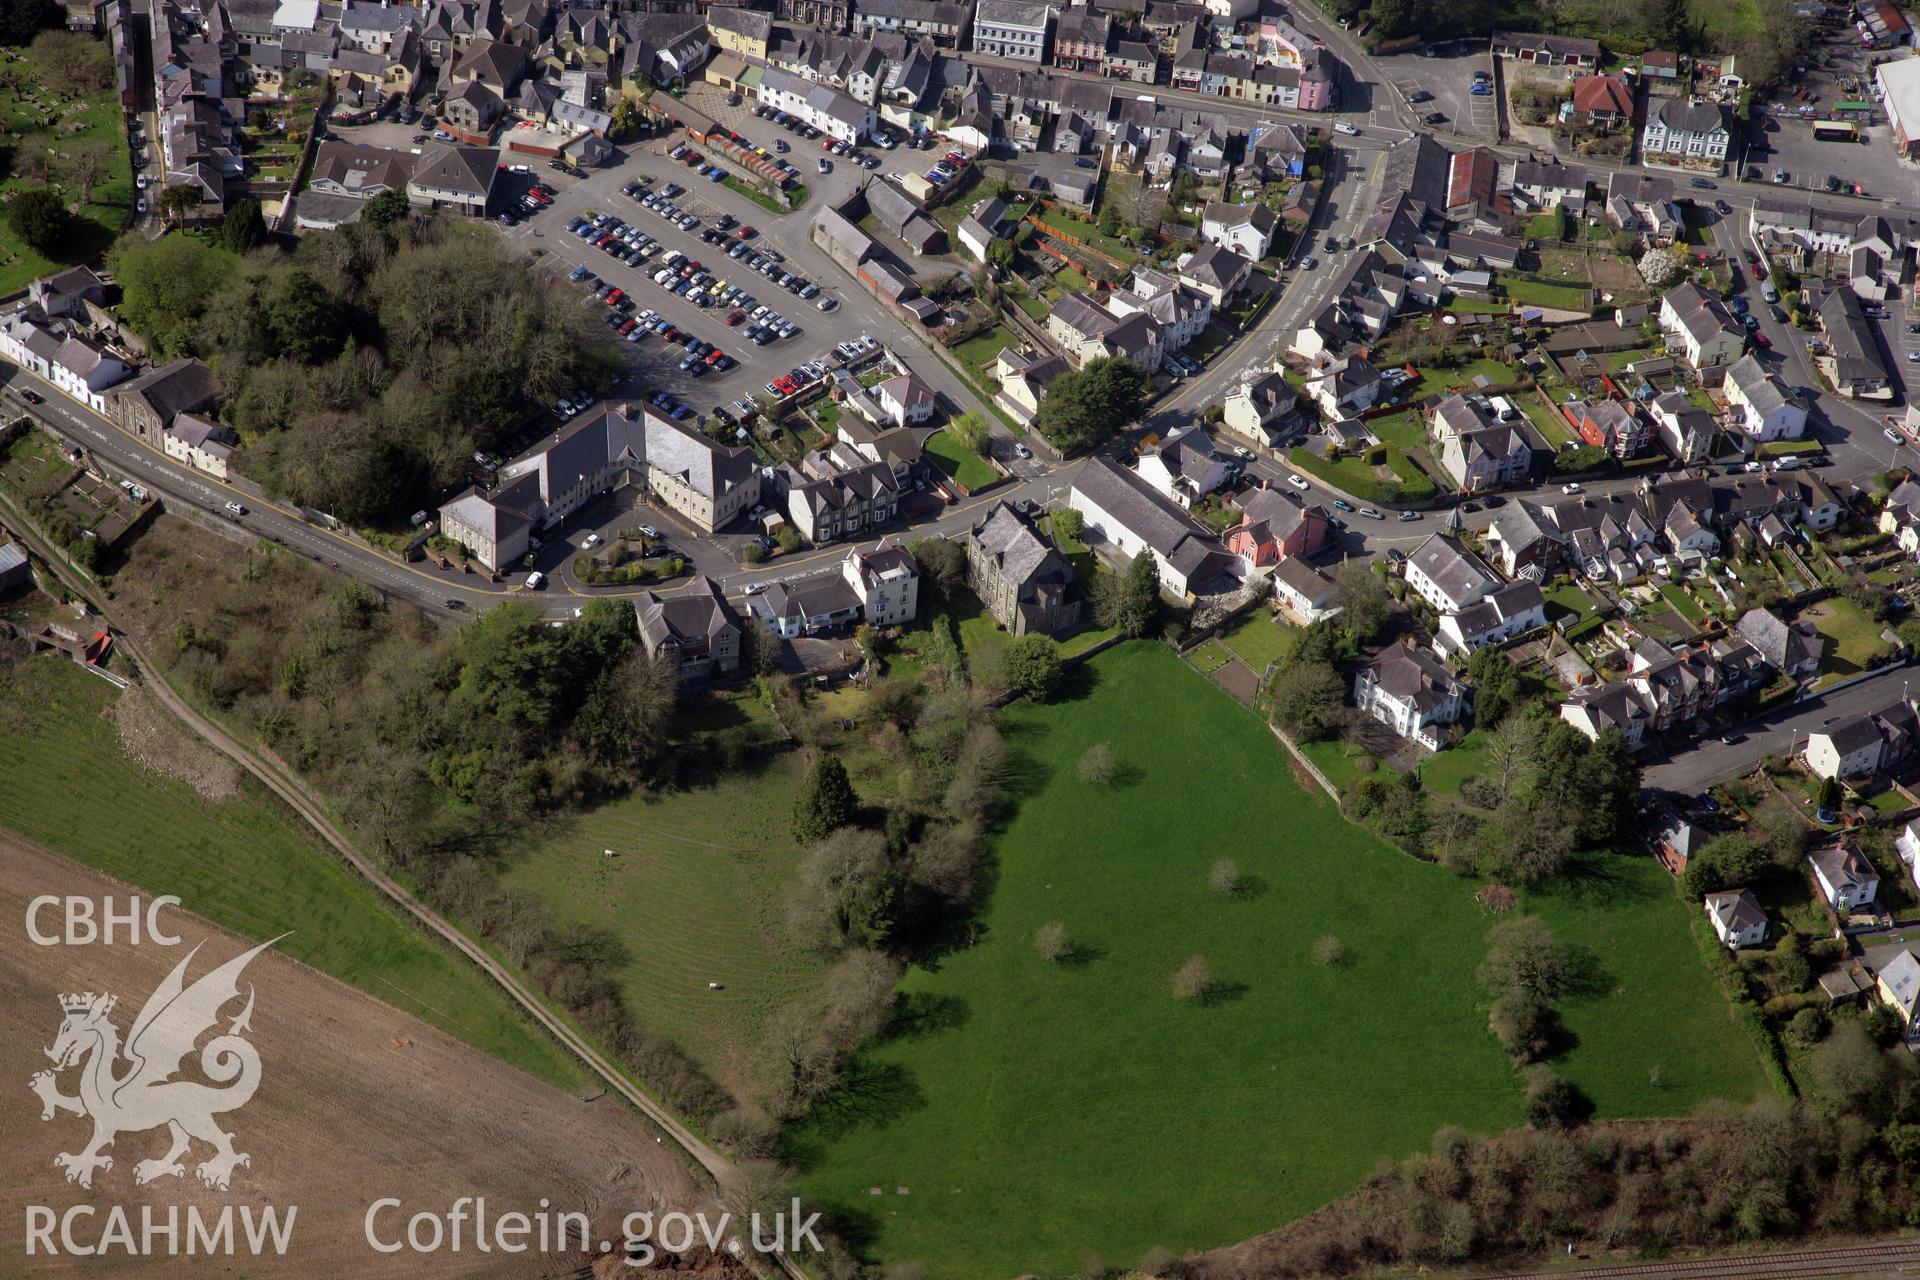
point(1787, 464)
point(1341, 126)
point(1768, 292)
point(536, 580)
point(1504, 408)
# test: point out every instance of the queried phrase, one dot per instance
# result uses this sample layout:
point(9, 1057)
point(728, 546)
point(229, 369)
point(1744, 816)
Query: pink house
point(1272, 528)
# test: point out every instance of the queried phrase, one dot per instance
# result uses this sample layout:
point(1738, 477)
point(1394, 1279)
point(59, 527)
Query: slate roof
point(1737, 910)
point(1410, 675)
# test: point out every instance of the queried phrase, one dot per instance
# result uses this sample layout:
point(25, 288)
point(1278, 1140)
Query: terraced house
point(1012, 29)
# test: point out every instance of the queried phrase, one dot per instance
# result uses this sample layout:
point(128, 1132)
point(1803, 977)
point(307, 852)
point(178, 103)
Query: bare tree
point(1193, 980)
point(1513, 753)
point(1223, 877)
point(1096, 764)
point(1329, 951)
point(1052, 941)
point(84, 165)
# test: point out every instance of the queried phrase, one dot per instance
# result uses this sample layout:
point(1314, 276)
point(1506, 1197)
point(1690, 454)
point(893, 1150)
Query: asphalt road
point(1777, 732)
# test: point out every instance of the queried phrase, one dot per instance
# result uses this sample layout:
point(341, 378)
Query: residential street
point(1709, 760)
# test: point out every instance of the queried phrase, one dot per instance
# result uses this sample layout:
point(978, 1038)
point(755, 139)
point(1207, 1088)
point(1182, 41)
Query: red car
point(735, 317)
point(671, 335)
point(1759, 272)
point(1759, 339)
point(746, 233)
point(613, 299)
point(716, 356)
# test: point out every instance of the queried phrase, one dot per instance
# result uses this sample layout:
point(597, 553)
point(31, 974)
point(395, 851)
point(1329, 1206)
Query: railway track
point(1900, 1257)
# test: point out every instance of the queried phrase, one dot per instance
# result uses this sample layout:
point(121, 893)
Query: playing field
point(67, 782)
point(1052, 1110)
point(691, 896)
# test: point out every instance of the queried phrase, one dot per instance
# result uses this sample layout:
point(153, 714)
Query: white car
point(1298, 482)
point(649, 531)
point(536, 580)
point(1570, 488)
point(1893, 437)
point(1242, 451)
point(754, 588)
point(593, 540)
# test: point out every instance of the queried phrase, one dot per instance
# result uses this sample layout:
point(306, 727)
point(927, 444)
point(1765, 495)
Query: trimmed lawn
point(1088, 233)
point(1353, 475)
point(1496, 373)
point(1550, 225)
point(959, 463)
point(1533, 293)
point(106, 213)
point(1259, 641)
point(1211, 341)
point(1551, 426)
point(1569, 599)
point(978, 352)
point(1443, 772)
point(1342, 762)
point(691, 896)
point(1032, 1113)
point(67, 782)
point(1682, 602)
point(1853, 637)
point(1406, 429)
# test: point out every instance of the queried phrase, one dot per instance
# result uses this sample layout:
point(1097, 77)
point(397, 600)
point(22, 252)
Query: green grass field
point(959, 462)
point(690, 897)
point(67, 783)
point(1853, 637)
point(1353, 475)
point(97, 116)
point(1036, 1112)
point(1533, 293)
point(1259, 641)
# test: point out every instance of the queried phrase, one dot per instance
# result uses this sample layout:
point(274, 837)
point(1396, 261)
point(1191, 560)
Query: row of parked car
point(699, 163)
point(615, 238)
point(947, 168)
point(538, 196)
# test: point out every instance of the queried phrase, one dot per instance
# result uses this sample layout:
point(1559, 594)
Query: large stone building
point(1020, 577)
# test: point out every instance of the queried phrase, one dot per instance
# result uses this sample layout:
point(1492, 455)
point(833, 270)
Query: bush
point(1329, 951)
point(1052, 941)
point(1223, 877)
point(1193, 979)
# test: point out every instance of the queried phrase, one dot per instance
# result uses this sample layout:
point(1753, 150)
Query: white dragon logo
point(146, 1096)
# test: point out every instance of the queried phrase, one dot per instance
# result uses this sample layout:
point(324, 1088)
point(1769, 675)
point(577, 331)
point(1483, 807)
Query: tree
point(1087, 406)
point(1659, 268)
point(1000, 253)
point(1523, 1022)
point(243, 228)
point(304, 319)
point(626, 719)
point(1307, 698)
point(1096, 764)
point(1033, 666)
point(1193, 980)
point(21, 19)
point(1511, 753)
point(1223, 877)
point(1329, 952)
point(1552, 1102)
point(84, 164)
point(1363, 599)
point(1129, 601)
point(387, 209)
point(826, 801)
point(848, 891)
point(1731, 861)
point(1068, 525)
point(626, 119)
point(1109, 223)
point(1496, 684)
point(177, 201)
point(971, 430)
point(1052, 942)
point(40, 218)
point(943, 567)
point(70, 62)
point(1523, 955)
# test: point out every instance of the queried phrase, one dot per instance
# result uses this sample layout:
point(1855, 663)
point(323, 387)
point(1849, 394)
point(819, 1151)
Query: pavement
point(1781, 731)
